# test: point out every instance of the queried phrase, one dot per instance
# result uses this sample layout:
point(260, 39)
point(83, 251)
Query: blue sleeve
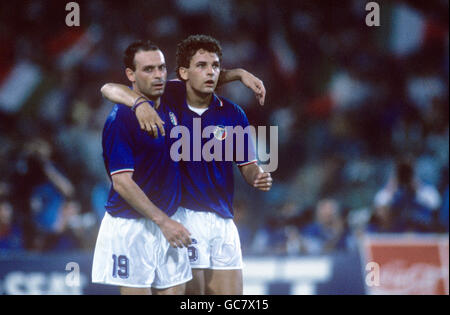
point(117, 146)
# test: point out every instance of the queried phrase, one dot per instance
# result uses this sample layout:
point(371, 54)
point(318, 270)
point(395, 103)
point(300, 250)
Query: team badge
point(173, 118)
point(220, 133)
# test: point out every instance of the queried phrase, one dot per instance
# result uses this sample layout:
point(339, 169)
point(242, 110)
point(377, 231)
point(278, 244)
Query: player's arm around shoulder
point(146, 115)
point(247, 78)
point(256, 177)
point(119, 93)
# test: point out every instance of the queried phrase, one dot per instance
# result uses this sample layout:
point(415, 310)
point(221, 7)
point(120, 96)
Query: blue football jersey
point(208, 185)
point(128, 148)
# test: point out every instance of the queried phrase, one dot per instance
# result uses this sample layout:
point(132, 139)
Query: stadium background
point(349, 101)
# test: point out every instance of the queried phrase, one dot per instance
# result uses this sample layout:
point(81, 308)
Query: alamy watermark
point(226, 143)
point(373, 274)
point(373, 17)
point(73, 17)
point(73, 276)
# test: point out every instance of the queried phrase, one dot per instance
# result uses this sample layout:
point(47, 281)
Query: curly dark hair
point(189, 47)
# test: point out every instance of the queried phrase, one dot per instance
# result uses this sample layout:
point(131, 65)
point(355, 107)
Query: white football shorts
point(135, 253)
point(215, 241)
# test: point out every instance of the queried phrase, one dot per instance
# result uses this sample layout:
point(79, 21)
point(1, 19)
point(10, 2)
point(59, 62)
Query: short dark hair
point(189, 47)
point(133, 48)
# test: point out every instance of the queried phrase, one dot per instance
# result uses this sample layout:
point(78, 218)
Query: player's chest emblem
point(220, 133)
point(173, 119)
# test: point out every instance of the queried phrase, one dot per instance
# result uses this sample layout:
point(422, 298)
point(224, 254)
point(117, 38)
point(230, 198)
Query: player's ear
point(183, 73)
point(130, 75)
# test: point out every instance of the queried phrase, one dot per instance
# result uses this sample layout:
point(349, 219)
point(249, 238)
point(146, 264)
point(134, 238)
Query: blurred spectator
point(279, 234)
point(39, 189)
point(383, 220)
point(269, 238)
point(51, 215)
point(329, 232)
point(406, 203)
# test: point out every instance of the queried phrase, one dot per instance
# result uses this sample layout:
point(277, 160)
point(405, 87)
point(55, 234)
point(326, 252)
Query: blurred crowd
point(362, 115)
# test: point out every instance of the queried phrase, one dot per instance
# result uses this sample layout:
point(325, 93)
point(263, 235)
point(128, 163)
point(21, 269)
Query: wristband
point(136, 101)
point(133, 108)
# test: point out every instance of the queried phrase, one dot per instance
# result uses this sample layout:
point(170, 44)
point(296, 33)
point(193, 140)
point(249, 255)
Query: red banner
point(406, 264)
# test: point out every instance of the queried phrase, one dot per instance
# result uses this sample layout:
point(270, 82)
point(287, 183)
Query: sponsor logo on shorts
point(192, 250)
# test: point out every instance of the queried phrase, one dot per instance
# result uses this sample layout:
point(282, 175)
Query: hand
point(263, 181)
point(255, 84)
point(175, 233)
point(149, 120)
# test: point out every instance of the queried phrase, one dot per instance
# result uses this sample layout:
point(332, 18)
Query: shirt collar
point(216, 103)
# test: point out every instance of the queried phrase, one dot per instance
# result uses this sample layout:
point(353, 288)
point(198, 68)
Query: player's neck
point(197, 100)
